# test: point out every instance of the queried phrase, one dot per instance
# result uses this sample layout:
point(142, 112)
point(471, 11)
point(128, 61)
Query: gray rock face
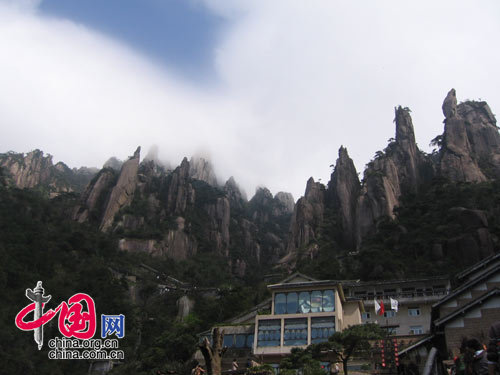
point(401, 168)
point(483, 136)
point(236, 196)
point(344, 189)
point(123, 192)
point(286, 200)
point(450, 104)
point(28, 171)
point(91, 195)
point(218, 229)
point(184, 307)
point(458, 160)
point(475, 243)
point(36, 170)
point(306, 218)
point(176, 244)
point(113, 163)
point(201, 169)
point(180, 191)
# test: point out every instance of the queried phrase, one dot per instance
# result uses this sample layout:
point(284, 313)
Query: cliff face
point(306, 218)
point(401, 168)
point(34, 170)
point(483, 136)
point(469, 152)
point(343, 191)
point(458, 160)
point(201, 169)
point(123, 192)
point(181, 212)
point(92, 198)
point(174, 214)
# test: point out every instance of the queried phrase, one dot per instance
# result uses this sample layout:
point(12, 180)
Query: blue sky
point(268, 90)
point(178, 33)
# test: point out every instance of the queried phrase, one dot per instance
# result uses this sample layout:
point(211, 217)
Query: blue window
point(280, 303)
point(305, 302)
point(322, 329)
point(295, 332)
point(269, 333)
point(328, 301)
point(292, 303)
point(240, 341)
point(316, 301)
point(250, 341)
point(228, 341)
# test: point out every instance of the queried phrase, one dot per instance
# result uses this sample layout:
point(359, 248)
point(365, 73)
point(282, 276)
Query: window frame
point(416, 309)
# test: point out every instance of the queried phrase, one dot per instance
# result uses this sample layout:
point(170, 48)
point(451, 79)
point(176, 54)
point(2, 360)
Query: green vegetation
point(38, 242)
point(353, 341)
point(419, 241)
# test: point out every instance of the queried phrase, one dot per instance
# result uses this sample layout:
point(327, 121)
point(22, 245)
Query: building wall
point(352, 314)
point(402, 321)
point(474, 324)
point(346, 313)
point(470, 294)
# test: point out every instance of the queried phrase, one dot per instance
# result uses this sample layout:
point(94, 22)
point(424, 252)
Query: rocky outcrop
point(401, 168)
point(201, 169)
point(113, 163)
point(286, 200)
point(28, 171)
point(264, 207)
point(236, 196)
point(250, 236)
point(34, 170)
point(449, 106)
point(180, 191)
point(219, 214)
point(306, 219)
point(457, 158)
point(176, 244)
point(185, 306)
point(483, 136)
point(94, 196)
point(343, 190)
point(123, 192)
point(475, 242)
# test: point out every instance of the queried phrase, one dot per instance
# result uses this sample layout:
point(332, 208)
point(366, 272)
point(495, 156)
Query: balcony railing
point(403, 295)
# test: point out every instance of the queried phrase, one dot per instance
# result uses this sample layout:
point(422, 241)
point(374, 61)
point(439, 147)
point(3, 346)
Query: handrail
point(431, 365)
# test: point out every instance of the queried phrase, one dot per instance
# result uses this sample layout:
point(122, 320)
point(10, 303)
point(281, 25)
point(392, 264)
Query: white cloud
point(297, 80)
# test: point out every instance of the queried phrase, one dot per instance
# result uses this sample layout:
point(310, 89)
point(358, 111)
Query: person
point(234, 365)
point(249, 363)
point(494, 349)
point(198, 370)
point(334, 368)
point(475, 359)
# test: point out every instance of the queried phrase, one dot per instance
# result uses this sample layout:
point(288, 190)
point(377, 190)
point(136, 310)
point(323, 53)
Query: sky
point(268, 90)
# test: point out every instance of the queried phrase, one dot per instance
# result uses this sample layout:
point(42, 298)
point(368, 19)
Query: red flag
point(382, 309)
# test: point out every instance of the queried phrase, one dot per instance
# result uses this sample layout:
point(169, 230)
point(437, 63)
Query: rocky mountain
point(36, 170)
point(183, 212)
point(351, 210)
point(201, 169)
point(179, 213)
